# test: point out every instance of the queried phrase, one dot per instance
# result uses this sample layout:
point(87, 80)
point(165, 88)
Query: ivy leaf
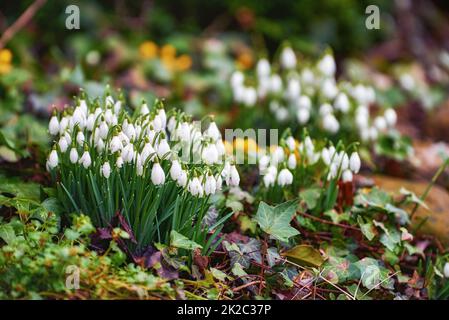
point(368, 229)
point(7, 233)
point(219, 275)
point(237, 270)
point(412, 197)
point(304, 255)
point(177, 240)
point(275, 221)
point(310, 197)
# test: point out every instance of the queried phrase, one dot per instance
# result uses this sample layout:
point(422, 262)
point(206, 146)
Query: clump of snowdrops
point(292, 166)
point(157, 169)
point(300, 94)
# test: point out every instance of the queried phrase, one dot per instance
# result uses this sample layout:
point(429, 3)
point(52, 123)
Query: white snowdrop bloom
point(291, 143)
point(157, 123)
point(163, 116)
point(138, 129)
point(237, 79)
point(285, 177)
point(183, 132)
point(325, 155)
point(333, 171)
point(219, 183)
point(115, 144)
point(355, 162)
point(274, 106)
point(344, 161)
point(326, 109)
point(361, 120)
point(147, 151)
point(80, 138)
point(234, 177)
point(269, 180)
point(264, 161)
point(163, 148)
point(390, 117)
point(263, 87)
point(303, 115)
point(220, 147)
point(304, 102)
point(329, 88)
point(238, 93)
point(250, 97)
point(288, 58)
point(108, 116)
point(127, 153)
point(97, 112)
point(213, 132)
point(210, 154)
point(171, 125)
point(272, 170)
point(278, 155)
point(73, 155)
point(90, 122)
point(103, 130)
point(364, 134)
point(446, 270)
point(182, 179)
point(291, 163)
point(175, 170)
point(53, 126)
point(373, 133)
point(139, 165)
point(195, 187)
point(210, 185)
point(307, 76)
point(130, 131)
point(330, 123)
point(151, 134)
point(106, 170)
point(346, 176)
point(157, 174)
point(53, 159)
point(342, 102)
point(309, 144)
point(407, 81)
point(313, 157)
point(327, 65)
point(275, 83)
point(85, 159)
point(100, 145)
point(83, 107)
point(370, 94)
point(360, 94)
point(380, 123)
point(144, 110)
point(293, 88)
point(119, 162)
point(282, 114)
point(77, 118)
point(109, 101)
point(63, 124)
point(63, 145)
point(117, 107)
point(263, 68)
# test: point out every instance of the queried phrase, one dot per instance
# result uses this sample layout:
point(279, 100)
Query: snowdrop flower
point(162, 115)
point(446, 270)
point(304, 102)
point(333, 171)
point(210, 185)
point(269, 180)
point(119, 162)
point(329, 88)
point(278, 155)
point(157, 123)
point(303, 115)
point(291, 143)
point(128, 153)
point(195, 187)
point(63, 145)
point(115, 144)
point(263, 68)
point(157, 174)
point(307, 76)
point(250, 97)
point(106, 170)
point(63, 124)
point(130, 131)
point(291, 163)
point(144, 109)
point(163, 148)
point(330, 123)
point(117, 107)
point(373, 133)
point(213, 131)
point(285, 177)
point(53, 126)
point(90, 122)
point(103, 130)
point(85, 160)
point(325, 109)
point(380, 123)
point(354, 162)
point(108, 116)
point(288, 58)
point(109, 101)
point(237, 79)
point(264, 161)
point(73, 155)
point(275, 83)
point(344, 160)
point(347, 176)
point(342, 102)
point(147, 151)
point(234, 177)
point(390, 117)
point(220, 147)
point(80, 138)
point(327, 65)
point(175, 170)
point(219, 183)
point(100, 145)
point(77, 118)
point(282, 114)
point(326, 156)
point(293, 88)
point(171, 125)
point(53, 159)
point(210, 154)
point(182, 179)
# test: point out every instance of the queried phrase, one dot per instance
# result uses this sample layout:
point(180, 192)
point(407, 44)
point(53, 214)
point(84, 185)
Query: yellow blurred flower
point(183, 62)
point(5, 61)
point(245, 60)
point(168, 52)
point(148, 50)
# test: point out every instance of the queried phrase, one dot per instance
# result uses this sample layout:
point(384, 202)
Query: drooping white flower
point(325, 109)
point(73, 155)
point(293, 88)
point(147, 151)
point(219, 182)
point(85, 159)
point(288, 58)
point(53, 159)
point(78, 118)
point(237, 79)
point(210, 185)
point(144, 110)
point(162, 115)
point(119, 162)
point(90, 122)
point(263, 68)
point(264, 161)
point(182, 179)
point(117, 107)
point(282, 114)
point(342, 102)
point(327, 65)
point(220, 147)
point(53, 126)
point(346, 176)
point(303, 115)
point(354, 162)
point(210, 154)
point(269, 180)
point(285, 177)
point(80, 138)
point(128, 153)
point(329, 88)
point(163, 148)
point(380, 123)
point(63, 124)
point(278, 155)
point(213, 131)
point(390, 117)
point(171, 125)
point(100, 145)
point(344, 161)
point(115, 144)
point(106, 170)
point(291, 143)
point(275, 83)
point(130, 131)
point(330, 123)
point(446, 270)
point(103, 130)
point(333, 171)
point(250, 97)
point(175, 170)
point(291, 163)
point(63, 145)
point(157, 123)
point(157, 174)
point(234, 177)
point(195, 187)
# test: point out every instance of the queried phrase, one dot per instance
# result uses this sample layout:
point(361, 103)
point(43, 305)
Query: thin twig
point(21, 22)
point(345, 226)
